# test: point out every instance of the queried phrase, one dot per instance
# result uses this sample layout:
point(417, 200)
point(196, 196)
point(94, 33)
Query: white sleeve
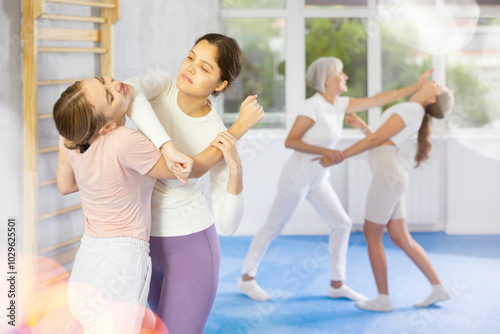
point(148, 88)
point(309, 109)
point(226, 208)
point(411, 115)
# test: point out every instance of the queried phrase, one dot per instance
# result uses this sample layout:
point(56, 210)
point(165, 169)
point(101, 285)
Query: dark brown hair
point(76, 119)
point(228, 57)
point(439, 109)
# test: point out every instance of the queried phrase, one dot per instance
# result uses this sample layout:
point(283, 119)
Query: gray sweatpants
point(109, 284)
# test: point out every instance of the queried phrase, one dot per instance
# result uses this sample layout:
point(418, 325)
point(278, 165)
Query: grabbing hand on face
point(423, 78)
point(179, 163)
point(250, 112)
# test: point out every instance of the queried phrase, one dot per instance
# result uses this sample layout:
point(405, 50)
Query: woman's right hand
point(250, 112)
point(423, 78)
point(355, 121)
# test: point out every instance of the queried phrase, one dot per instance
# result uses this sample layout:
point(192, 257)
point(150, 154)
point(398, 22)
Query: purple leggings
point(184, 279)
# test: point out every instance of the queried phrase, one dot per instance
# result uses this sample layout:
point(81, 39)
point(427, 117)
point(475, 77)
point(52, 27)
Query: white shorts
point(385, 201)
point(109, 284)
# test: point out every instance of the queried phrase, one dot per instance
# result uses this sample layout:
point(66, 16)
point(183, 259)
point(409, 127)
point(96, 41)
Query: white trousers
point(109, 284)
point(302, 179)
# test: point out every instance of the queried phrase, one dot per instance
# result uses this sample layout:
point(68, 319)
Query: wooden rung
point(47, 183)
point(69, 34)
point(60, 212)
point(45, 116)
point(84, 3)
point(93, 19)
point(60, 245)
point(73, 50)
point(54, 280)
point(57, 82)
point(48, 149)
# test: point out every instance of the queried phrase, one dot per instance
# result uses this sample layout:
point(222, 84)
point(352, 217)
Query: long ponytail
point(439, 109)
point(424, 141)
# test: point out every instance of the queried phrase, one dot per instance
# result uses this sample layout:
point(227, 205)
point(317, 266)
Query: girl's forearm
point(361, 146)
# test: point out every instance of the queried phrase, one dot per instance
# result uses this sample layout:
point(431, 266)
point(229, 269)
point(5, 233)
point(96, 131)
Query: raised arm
point(148, 88)
point(361, 104)
point(66, 182)
point(250, 114)
point(391, 127)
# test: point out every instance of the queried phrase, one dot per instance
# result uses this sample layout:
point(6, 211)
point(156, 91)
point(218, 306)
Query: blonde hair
point(76, 119)
point(439, 109)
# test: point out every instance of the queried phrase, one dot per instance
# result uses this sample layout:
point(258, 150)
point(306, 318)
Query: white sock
point(345, 292)
point(382, 304)
point(439, 293)
point(253, 290)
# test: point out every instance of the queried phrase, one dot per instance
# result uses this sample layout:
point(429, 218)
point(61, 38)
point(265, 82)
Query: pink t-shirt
point(115, 192)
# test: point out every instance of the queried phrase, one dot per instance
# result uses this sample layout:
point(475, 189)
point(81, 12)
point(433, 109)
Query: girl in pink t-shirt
point(115, 169)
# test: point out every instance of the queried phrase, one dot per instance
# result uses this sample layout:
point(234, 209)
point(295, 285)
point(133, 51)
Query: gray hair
point(320, 69)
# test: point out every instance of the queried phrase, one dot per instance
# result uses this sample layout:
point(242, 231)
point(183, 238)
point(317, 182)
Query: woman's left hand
point(227, 143)
point(324, 161)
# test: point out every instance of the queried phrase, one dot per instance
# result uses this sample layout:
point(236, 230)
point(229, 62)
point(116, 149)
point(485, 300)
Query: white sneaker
point(439, 293)
point(345, 292)
point(381, 304)
point(253, 290)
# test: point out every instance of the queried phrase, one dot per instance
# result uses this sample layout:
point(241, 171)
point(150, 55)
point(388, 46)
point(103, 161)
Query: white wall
point(473, 185)
point(11, 112)
point(263, 155)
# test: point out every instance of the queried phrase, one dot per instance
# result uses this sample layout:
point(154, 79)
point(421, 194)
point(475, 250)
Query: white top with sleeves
point(412, 114)
point(328, 120)
point(179, 209)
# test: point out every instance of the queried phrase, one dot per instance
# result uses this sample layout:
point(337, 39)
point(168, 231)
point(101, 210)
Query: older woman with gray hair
point(315, 133)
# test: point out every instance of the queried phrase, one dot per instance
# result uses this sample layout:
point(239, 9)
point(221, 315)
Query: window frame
point(295, 13)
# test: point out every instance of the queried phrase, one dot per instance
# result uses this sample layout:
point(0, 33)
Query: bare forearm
point(205, 160)
point(361, 146)
point(300, 146)
point(392, 95)
point(238, 129)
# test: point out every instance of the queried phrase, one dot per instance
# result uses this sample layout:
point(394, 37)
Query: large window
point(383, 44)
point(343, 38)
point(474, 74)
point(262, 41)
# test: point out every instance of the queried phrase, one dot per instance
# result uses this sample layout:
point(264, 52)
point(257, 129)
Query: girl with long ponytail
point(385, 206)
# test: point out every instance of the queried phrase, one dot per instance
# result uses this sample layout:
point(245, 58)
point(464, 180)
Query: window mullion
point(374, 66)
point(295, 59)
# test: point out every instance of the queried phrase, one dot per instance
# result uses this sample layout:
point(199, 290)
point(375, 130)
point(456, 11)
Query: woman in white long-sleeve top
point(384, 204)
point(184, 244)
point(316, 131)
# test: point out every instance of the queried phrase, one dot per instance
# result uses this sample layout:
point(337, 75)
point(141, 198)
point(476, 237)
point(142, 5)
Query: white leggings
point(302, 178)
point(385, 200)
point(109, 284)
